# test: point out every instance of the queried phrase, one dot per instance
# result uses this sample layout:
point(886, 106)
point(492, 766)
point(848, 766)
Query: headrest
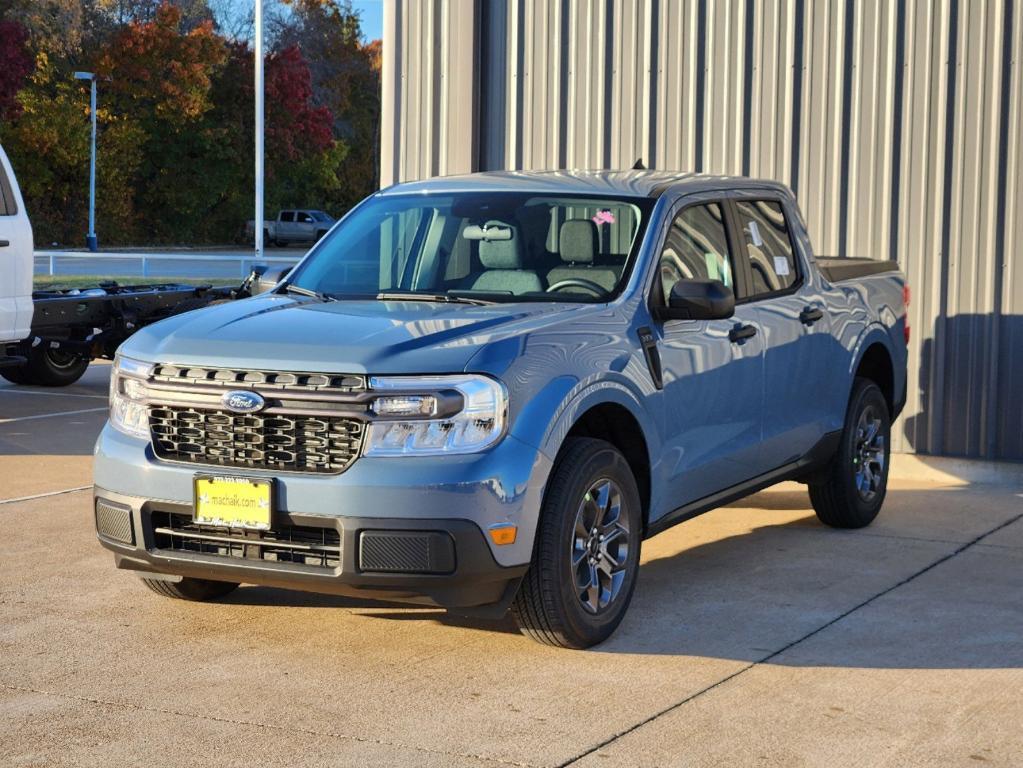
point(504, 250)
point(579, 241)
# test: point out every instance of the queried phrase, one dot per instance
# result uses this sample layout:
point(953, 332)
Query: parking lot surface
point(756, 637)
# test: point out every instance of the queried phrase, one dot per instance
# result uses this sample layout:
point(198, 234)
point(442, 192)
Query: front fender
point(550, 415)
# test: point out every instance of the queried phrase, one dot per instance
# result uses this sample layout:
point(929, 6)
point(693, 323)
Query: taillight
point(905, 312)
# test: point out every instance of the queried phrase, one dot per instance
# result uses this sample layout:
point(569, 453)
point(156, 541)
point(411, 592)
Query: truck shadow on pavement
point(734, 585)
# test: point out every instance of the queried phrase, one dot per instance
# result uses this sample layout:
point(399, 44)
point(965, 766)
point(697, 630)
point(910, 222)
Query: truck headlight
point(417, 422)
point(128, 410)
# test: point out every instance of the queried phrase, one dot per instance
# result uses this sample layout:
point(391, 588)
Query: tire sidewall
point(605, 462)
point(866, 393)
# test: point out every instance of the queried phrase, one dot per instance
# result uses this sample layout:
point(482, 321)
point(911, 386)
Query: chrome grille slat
point(342, 383)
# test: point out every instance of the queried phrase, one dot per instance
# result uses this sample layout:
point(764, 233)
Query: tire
point(196, 590)
point(319, 235)
point(553, 605)
point(48, 367)
point(850, 492)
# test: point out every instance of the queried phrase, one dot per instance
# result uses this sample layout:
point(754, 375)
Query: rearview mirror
point(698, 300)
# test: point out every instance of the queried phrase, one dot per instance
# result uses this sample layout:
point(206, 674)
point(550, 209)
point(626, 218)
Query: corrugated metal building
point(898, 124)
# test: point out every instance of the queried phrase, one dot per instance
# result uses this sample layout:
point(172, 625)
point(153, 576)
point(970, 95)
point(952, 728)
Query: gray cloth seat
point(503, 264)
point(579, 244)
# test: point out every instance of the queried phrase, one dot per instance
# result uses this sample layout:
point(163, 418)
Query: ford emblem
point(243, 402)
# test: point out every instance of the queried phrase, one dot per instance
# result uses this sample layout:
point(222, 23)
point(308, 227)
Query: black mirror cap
point(698, 300)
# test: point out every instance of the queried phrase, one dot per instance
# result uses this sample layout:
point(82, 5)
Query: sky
point(372, 12)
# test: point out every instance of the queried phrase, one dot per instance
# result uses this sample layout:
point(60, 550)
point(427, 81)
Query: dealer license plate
point(233, 502)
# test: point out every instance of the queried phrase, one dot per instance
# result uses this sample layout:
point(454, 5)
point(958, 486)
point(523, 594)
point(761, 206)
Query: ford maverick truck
point(484, 392)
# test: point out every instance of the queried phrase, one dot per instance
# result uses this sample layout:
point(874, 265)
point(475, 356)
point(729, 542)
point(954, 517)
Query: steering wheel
point(578, 282)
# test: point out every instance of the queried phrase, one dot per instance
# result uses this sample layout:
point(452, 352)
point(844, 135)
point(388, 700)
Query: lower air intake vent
point(431, 552)
point(114, 522)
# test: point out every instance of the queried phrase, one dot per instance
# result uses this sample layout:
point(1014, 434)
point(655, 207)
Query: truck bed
point(838, 269)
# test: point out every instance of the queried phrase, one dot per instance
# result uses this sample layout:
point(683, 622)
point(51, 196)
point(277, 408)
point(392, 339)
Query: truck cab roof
point(633, 183)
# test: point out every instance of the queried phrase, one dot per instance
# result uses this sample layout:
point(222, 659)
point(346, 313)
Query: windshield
point(498, 247)
point(320, 216)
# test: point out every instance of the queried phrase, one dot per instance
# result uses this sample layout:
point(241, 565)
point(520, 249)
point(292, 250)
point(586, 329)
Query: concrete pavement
point(756, 637)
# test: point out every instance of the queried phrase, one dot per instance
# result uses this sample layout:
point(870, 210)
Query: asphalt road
point(194, 263)
point(757, 637)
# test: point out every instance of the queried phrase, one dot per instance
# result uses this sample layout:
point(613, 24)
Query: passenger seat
point(503, 262)
point(578, 243)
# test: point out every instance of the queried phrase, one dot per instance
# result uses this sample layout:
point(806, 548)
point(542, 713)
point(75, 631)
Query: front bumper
point(458, 497)
point(470, 578)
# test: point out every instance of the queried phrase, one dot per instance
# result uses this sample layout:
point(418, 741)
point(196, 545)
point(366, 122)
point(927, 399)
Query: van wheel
point(853, 487)
point(196, 590)
point(586, 555)
point(47, 367)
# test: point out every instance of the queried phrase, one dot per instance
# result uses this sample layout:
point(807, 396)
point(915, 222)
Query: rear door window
point(768, 246)
point(287, 216)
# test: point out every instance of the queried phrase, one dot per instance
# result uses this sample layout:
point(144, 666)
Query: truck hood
point(299, 334)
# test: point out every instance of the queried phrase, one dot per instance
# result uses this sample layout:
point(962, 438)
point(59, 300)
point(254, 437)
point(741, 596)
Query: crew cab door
point(712, 370)
point(800, 353)
point(286, 225)
point(304, 225)
point(15, 259)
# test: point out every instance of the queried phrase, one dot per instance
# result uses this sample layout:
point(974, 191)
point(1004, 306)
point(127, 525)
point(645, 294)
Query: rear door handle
point(4, 243)
point(810, 315)
point(741, 332)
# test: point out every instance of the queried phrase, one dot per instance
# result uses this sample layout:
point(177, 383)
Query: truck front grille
point(298, 544)
point(284, 443)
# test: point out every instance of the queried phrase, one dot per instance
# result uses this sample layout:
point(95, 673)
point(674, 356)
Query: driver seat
point(578, 242)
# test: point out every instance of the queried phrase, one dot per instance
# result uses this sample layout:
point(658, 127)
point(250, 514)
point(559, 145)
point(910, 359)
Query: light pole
point(258, 224)
point(90, 239)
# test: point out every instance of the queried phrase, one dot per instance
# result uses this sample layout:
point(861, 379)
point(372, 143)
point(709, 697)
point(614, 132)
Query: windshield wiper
point(297, 289)
point(443, 298)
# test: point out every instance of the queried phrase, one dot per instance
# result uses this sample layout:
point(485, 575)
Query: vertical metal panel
point(899, 125)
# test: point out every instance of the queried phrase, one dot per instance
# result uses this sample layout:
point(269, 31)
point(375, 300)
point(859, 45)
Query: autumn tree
point(15, 65)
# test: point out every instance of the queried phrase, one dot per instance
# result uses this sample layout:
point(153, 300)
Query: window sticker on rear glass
point(781, 266)
point(754, 233)
point(604, 217)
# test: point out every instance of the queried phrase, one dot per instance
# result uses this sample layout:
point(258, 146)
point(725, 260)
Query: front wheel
point(586, 556)
point(196, 590)
point(853, 487)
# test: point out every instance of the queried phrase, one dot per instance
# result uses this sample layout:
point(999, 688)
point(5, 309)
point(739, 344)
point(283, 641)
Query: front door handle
point(4, 243)
point(741, 332)
point(810, 315)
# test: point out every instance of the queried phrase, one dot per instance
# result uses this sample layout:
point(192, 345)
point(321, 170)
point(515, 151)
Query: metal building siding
point(898, 124)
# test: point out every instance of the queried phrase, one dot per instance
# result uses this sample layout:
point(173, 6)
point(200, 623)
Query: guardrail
point(147, 260)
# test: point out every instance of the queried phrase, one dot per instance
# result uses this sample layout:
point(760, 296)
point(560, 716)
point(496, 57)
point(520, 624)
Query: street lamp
point(90, 239)
point(258, 52)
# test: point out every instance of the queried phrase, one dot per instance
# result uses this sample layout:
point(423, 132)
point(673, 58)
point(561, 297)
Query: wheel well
point(614, 423)
point(876, 365)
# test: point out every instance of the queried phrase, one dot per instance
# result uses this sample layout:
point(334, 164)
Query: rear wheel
point(48, 367)
point(586, 557)
point(852, 489)
point(196, 590)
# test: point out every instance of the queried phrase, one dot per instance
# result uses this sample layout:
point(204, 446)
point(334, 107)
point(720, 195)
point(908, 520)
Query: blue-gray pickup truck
point(484, 392)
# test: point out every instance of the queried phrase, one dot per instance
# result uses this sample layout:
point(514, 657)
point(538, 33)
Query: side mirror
point(698, 300)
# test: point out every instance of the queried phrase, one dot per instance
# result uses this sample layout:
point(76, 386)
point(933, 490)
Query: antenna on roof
point(638, 165)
